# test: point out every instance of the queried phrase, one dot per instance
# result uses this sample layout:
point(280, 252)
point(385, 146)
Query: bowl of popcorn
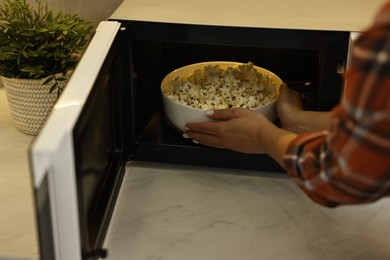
point(188, 92)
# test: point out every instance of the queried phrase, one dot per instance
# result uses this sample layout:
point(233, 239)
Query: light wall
point(92, 10)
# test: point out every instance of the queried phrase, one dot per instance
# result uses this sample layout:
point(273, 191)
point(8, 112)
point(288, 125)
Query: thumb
point(283, 87)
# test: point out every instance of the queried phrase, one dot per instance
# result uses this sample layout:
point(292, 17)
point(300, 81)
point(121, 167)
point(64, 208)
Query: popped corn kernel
point(215, 88)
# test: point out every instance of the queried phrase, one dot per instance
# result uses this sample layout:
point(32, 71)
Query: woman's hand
point(237, 129)
point(289, 108)
point(241, 130)
point(292, 116)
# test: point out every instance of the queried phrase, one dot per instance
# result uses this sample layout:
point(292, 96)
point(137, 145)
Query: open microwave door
point(77, 160)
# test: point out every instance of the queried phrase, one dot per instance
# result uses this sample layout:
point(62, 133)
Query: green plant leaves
point(48, 80)
point(55, 86)
point(36, 42)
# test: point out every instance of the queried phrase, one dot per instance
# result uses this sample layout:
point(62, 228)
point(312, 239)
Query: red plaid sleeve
point(350, 163)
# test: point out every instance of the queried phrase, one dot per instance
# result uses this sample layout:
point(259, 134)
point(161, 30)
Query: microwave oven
point(111, 113)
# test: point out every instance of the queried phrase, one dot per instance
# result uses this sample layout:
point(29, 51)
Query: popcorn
point(215, 88)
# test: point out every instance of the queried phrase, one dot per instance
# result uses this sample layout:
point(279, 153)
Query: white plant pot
point(30, 102)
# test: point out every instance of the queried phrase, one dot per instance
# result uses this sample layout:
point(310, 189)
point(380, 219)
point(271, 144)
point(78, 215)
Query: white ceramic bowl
point(179, 114)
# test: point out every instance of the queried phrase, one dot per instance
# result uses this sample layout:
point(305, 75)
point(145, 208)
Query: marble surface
point(18, 235)
point(176, 212)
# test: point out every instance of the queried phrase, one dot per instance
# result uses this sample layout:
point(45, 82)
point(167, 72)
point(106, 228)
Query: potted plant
point(38, 50)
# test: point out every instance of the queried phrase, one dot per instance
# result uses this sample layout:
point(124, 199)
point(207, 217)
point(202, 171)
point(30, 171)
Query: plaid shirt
point(350, 163)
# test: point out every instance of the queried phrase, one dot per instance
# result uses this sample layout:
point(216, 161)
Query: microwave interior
point(308, 61)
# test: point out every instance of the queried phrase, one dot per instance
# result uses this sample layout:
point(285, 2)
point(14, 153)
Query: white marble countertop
point(173, 212)
point(18, 236)
point(346, 15)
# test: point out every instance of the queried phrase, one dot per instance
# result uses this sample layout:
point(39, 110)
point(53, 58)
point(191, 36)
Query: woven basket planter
point(30, 102)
